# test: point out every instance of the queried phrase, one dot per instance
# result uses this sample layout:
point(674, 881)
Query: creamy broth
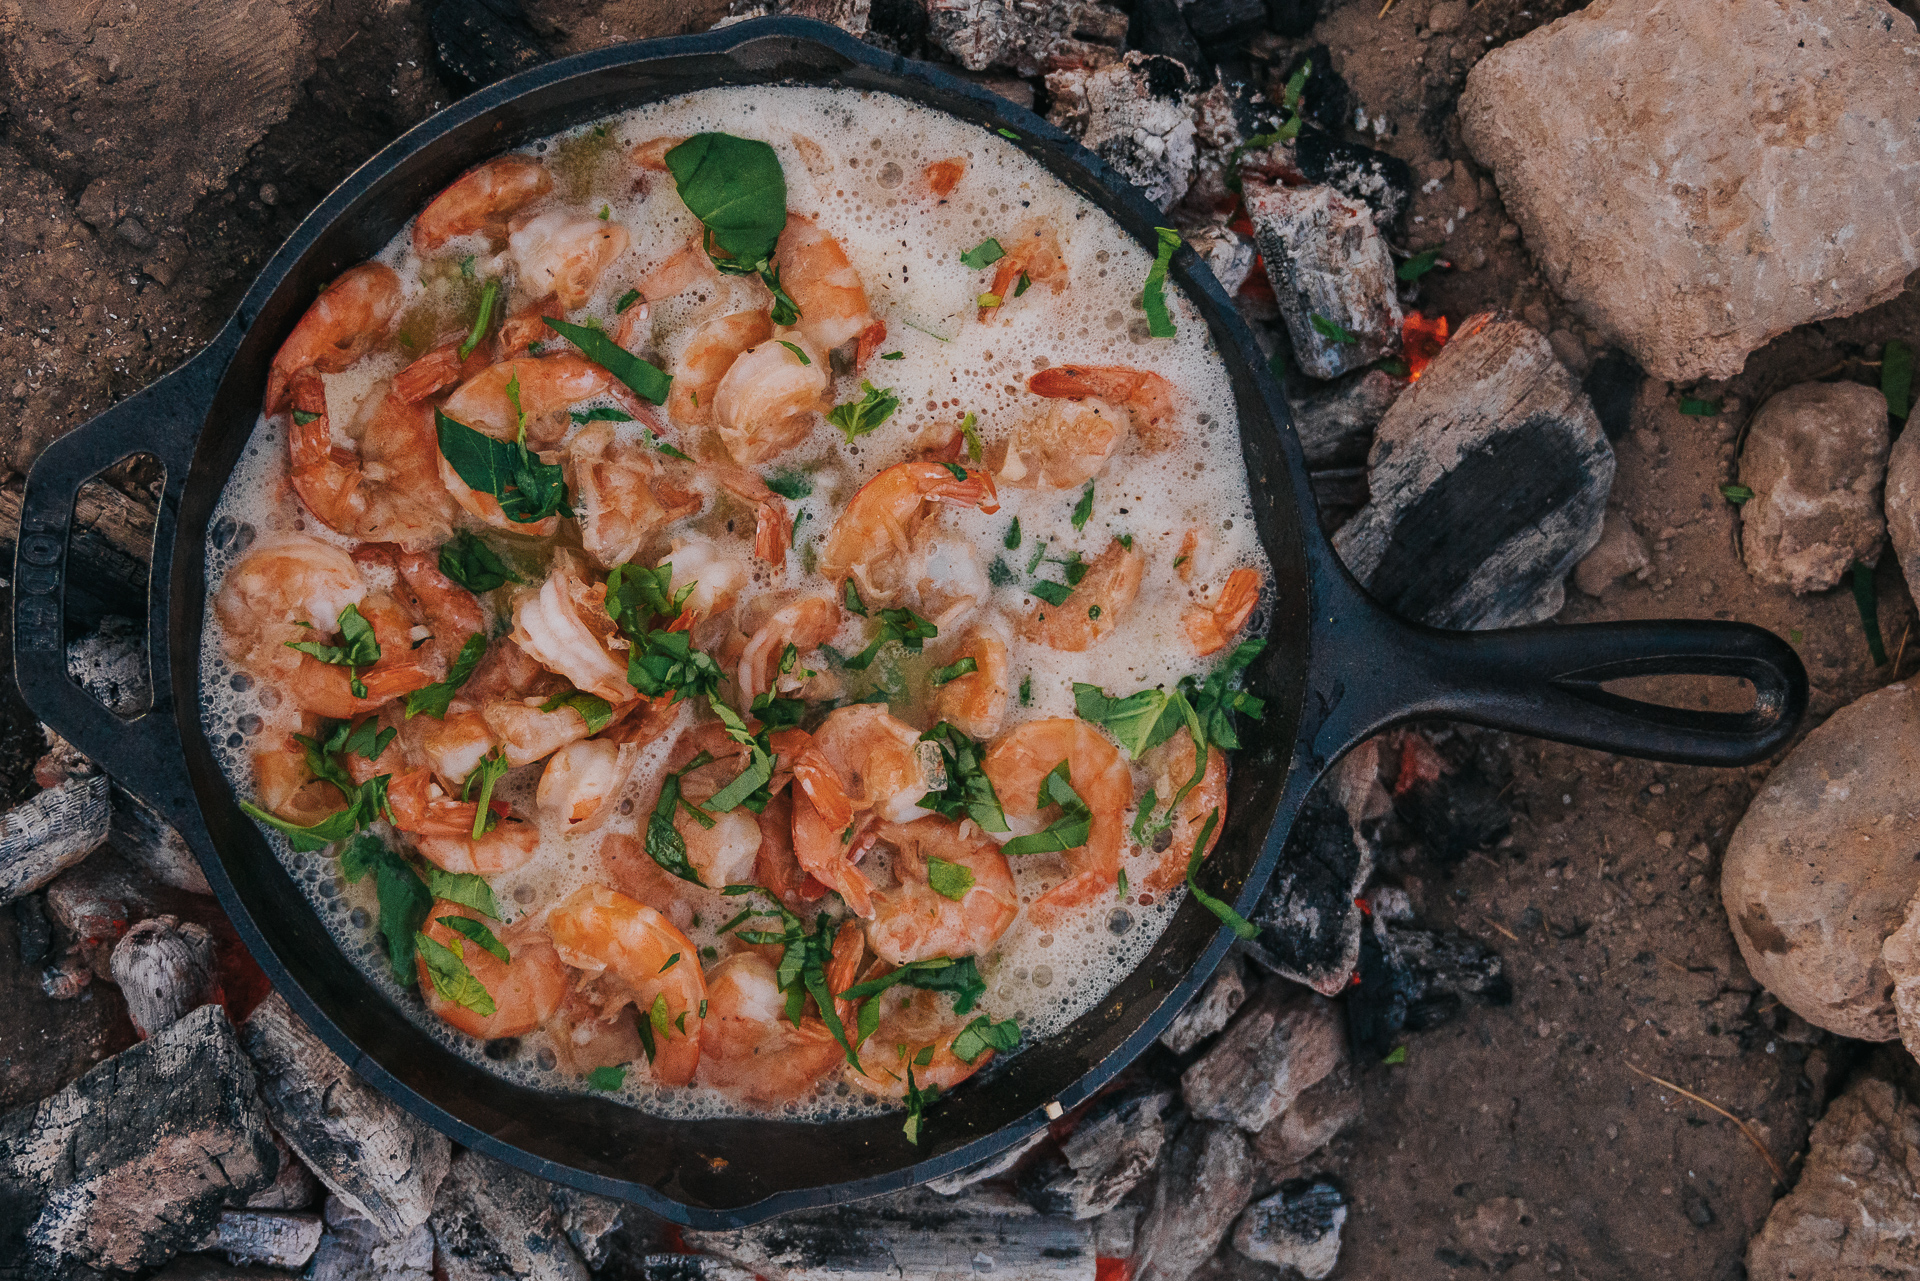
point(854, 163)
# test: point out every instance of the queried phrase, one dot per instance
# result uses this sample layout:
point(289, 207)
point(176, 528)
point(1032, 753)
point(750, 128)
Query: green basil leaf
point(969, 792)
point(477, 932)
point(451, 978)
point(358, 647)
point(464, 888)
point(1069, 831)
point(527, 489)
point(984, 254)
point(1332, 330)
point(368, 740)
point(664, 843)
point(627, 300)
point(941, 675)
point(641, 377)
point(606, 1078)
point(595, 711)
point(1418, 265)
point(601, 414)
point(1154, 297)
point(983, 1034)
point(958, 977)
point(1219, 907)
point(403, 898)
point(482, 320)
point(851, 598)
point(859, 417)
point(1139, 722)
point(901, 625)
point(948, 880)
point(434, 699)
point(364, 804)
point(1083, 510)
point(475, 566)
point(484, 776)
point(1216, 702)
point(750, 780)
point(798, 354)
point(736, 188)
point(790, 484)
point(1053, 593)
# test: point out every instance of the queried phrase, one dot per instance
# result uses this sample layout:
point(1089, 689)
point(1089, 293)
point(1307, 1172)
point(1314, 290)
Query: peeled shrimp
point(1018, 764)
point(1211, 628)
point(765, 403)
point(548, 387)
point(442, 827)
point(436, 371)
point(284, 784)
point(749, 1046)
point(942, 176)
point(912, 921)
point(1068, 445)
point(621, 494)
point(881, 760)
point(652, 154)
point(564, 254)
point(908, 1027)
point(827, 850)
point(872, 539)
point(526, 989)
point(385, 490)
point(453, 747)
point(1171, 764)
point(481, 200)
point(450, 614)
point(1096, 606)
point(823, 284)
point(563, 624)
point(288, 580)
point(602, 930)
point(717, 578)
point(774, 866)
point(805, 624)
point(946, 579)
point(705, 361)
point(1147, 396)
point(349, 318)
point(520, 331)
point(977, 701)
point(1034, 253)
point(584, 778)
point(722, 850)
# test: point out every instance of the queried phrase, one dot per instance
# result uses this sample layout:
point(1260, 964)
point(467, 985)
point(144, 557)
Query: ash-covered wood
point(912, 1234)
point(134, 1161)
point(164, 967)
point(108, 552)
point(44, 836)
point(1413, 979)
point(110, 663)
point(294, 1188)
point(494, 1220)
point(1113, 1147)
point(1489, 477)
point(1283, 1041)
point(1159, 27)
point(1137, 115)
point(354, 1248)
point(959, 1181)
point(689, 1267)
point(1205, 1181)
point(273, 1239)
point(92, 905)
point(1384, 182)
point(1297, 1227)
point(1318, 1116)
point(382, 1163)
point(138, 833)
point(1326, 259)
point(1335, 422)
point(1309, 926)
point(1209, 1011)
point(589, 1222)
point(1029, 37)
point(1219, 21)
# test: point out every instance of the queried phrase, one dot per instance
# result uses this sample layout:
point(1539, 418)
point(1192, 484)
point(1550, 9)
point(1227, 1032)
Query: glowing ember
point(1421, 340)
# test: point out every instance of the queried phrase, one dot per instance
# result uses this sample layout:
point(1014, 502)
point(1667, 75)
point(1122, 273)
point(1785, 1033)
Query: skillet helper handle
point(1547, 681)
point(143, 753)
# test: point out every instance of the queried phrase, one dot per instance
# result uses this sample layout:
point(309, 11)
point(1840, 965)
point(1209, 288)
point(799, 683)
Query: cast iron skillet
point(1338, 668)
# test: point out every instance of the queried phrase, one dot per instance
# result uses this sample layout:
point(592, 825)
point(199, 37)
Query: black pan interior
point(720, 1171)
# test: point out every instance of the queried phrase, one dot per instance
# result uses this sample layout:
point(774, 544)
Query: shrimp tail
point(772, 532)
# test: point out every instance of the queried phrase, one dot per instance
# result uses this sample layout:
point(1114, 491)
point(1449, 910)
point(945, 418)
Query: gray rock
point(1114, 1147)
point(1210, 1010)
point(1336, 423)
point(493, 1220)
point(1903, 506)
point(134, 1161)
point(355, 1249)
point(1297, 1227)
point(1489, 478)
point(1028, 38)
point(1284, 1040)
point(1318, 1116)
point(1137, 115)
point(1814, 458)
point(1821, 869)
point(294, 1188)
point(1620, 551)
point(1201, 1189)
point(1854, 1215)
point(271, 1238)
point(1327, 261)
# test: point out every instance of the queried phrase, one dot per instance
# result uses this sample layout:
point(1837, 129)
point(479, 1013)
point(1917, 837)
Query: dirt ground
point(1516, 1140)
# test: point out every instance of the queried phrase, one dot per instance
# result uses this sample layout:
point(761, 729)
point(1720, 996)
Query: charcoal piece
point(998, 1164)
point(1456, 813)
point(1314, 1120)
point(1413, 979)
point(134, 1161)
point(1030, 39)
point(1325, 99)
point(1283, 1042)
point(1297, 1227)
point(492, 1220)
point(274, 1240)
point(1203, 1184)
point(589, 1221)
point(1384, 182)
point(94, 903)
point(355, 1249)
point(899, 26)
point(1309, 924)
point(110, 663)
point(1611, 383)
point(1335, 423)
point(294, 1188)
point(1221, 21)
point(1489, 478)
point(1338, 493)
point(1292, 18)
point(1113, 1147)
point(1209, 1012)
point(1159, 28)
point(165, 967)
point(476, 42)
point(688, 1267)
point(34, 932)
point(1137, 115)
point(1331, 275)
point(137, 832)
point(51, 832)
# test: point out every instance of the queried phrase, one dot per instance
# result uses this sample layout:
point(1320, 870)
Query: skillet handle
point(143, 753)
point(1546, 681)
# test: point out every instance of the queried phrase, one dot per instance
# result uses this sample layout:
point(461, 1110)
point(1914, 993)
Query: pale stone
point(1903, 505)
point(1814, 458)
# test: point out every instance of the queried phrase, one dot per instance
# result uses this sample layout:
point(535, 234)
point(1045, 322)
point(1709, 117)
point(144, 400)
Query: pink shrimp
point(1096, 606)
point(748, 1047)
point(880, 760)
point(704, 361)
point(622, 496)
point(909, 1027)
point(349, 318)
point(548, 386)
point(823, 284)
point(436, 371)
point(386, 489)
point(564, 254)
point(564, 626)
point(1211, 628)
point(526, 989)
point(604, 931)
point(1147, 396)
point(766, 402)
point(805, 624)
point(442, 828)
point(481, 200)
point(1064, 447)
point(942, 176)
point(976, 701)
point(872, 539)
point(284, 783)
point(652, 154)
point(520, 331)
point(1018, 764)
point(912, 921)
point(584, 777)
point(450, 613)
point(1172, 767)
point(1033, 253)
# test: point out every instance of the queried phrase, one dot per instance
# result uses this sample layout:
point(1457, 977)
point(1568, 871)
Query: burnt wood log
point(493, 1220)
point(1331, 275)
point(353, 1248)
point(1489, 478)
point(107, 555)
point(381, 1162)
point(1031, 39)
point(164, 967)
point(294, 1188)
point(1220, 21)
point(1335, 423)
point(44, 836)
point(1413, 979)
point(134, 1161)
point(1285, 1040)
point(274, 1240)
point(138, 833)
point(1137, 115)
point(1309, 926)
point(1159, 28)
point(110, 663)
point(1297, 1227)
point(1317, 1117)
point(589, 1221)
point(1114, 1146)
point(1384, 182)
point(993, 1166)
point(1202, 1186)
point(1292, 18)
point(1208, 1012)
point(689, 1267)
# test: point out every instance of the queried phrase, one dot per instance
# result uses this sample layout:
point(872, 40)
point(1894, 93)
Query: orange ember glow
point(1421, 340)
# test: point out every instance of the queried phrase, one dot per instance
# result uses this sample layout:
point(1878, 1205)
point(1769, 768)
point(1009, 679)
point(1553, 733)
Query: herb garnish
point(953, 671)
point(595, 711)
point(482, 319)
point(1069, 831)
point(737, 190)
point(983, 1034)
point(948, 880)
point(803, 963)
point(358, 648)
point(404, 898)
point(901, 625)
point(484, 776)
point(798, 354)
point(664, 843)
point(365, 803)
point(606, 1078)
point(527, 489)
point(642, 377)
point(969, 792)
point(790, 484)
point(1332, 331)
point(858, 417)
point(1154, 297)
point(434, 699)
point(1083, 510)
point(447, 969)
point(1418, 265)
point(477, 932)
point(984, 254)
point(469, 562)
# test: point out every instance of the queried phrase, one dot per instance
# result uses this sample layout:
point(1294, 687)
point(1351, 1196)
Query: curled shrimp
point(823, 284)
point(1211, 628)
point(652, 154)
point(912, 921)
point(765, 403)
point(721, 845)
point(1172, 767)
point(564, 625)
point(1033, 253)
point(564, 254)
point(872, 540)
point(946, 581)
point(436, 371)
point(547, 386)
point(749, 1047)
point(1066, 446)
point(449, 613)
point(526, 989)
point(976, 701)
point(452, 747)
point(349, 318)
point(1147, 396)
point(704, 361)
point(622, 496)
point(603, 931)
point(292, 580)
point(481, 200)
point(1095, 608)
point(881, 761)
point(583, 778)
point(1018, 764)
point(805, 625)
point(716, 578)
point(442, 828)
point(385, 490)
point(909, 1027)
point(284, 783)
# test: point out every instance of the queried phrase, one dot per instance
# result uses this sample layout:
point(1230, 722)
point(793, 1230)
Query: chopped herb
point(737, 190)
point(975, 451)
point(671, 962)
point(466, 267)
point(404, 899)
point(1219, 907)
point(527, 489)
point(365, 803)
point(664, 844)
point(1012, 541)
point(1053, 593)
point(1122, 887)
point(1126, 542)
point(901, 625)
point(948, 880)
point(359, 647)
point(1154, 297)
point(1418, 265)
point(485, 775)
point(959, 472)
point(1001, 574)
point(1083, 510)
point(1039, 551)
point(606, 212)
point(803, 963)
point(798, 354)
point(475, 566)
point(941, 675)
point(1697, 408)
point(1021, 285)
point(627, 300)
point(1896, 377)
point(303, 417)
point(477, 933)
point(643, 378)
point(923, 329)
point(660, 1017)
point(606, 1078)
point(665, 662)
point(482, 319)
point(1396, 1056)
point(969, 792)
point(601, 414)
point(983, 1034)
point(1332, 331)
point(1139, 723)
point(919, 1100)
point(851, 598)
point(1069, 831)
point(987, 300)
point(893, 355)
point(1736, 494)
point(1026, 691)
point(447, 969)
point(958, 977)
point(1008, 133)
point(1866, 598)
point(464, 888)
point(1144, 828)
point(984, 254)
point(1178, 561)
point(790, 484)
point(858, 417)
point(595, 711)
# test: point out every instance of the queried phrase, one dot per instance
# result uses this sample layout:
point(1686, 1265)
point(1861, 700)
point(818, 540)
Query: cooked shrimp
point(772, 533)
point(947, 581)
point(436, 371)
point(748, 1047)
point(526, 989)
point(1211, 628)
point(652, 154)
point(1195, 554)
point(765, 403)
point(686, 268)
point(1096, 606)
point(722, 848)
point(909, 1026)
point(288, 580)
point(284, 783)
point(349, 318)
point(565, 627)
point(442, 828)
point(805, 624)
point(385, 490)
point(584, 777)
point(872, 539)
point(452, 747)
point(912, 921)
point(525, 327)
point(1148, 397)
point(717, 578)
point(942, 176)
point(976, 702)
point(564, 253)
point(704, 361)
point(1066, 446)
point(823, 284)
point(599, 929)
point(1172, 767)
point(1018, 764)
point(827, 851)
point(1033, 253)
point(506, 848)
point(622, 496)
point(775, 867)
point(881, 760)
point(481, 200)
point(548, 386)
point(449, 613)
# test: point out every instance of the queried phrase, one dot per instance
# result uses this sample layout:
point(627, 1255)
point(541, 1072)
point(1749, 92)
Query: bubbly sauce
point(854, 163)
